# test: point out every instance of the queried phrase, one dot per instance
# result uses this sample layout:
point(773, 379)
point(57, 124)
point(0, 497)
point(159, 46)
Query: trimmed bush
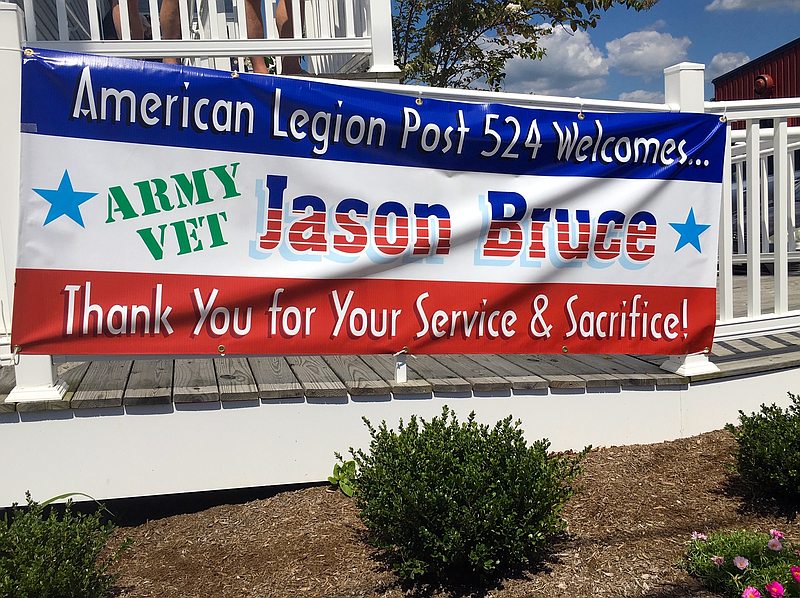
point(768, 451)
point(52, 557)
point(460, 500)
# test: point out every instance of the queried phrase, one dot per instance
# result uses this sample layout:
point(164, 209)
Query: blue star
point(689, 231)
point(64, 201)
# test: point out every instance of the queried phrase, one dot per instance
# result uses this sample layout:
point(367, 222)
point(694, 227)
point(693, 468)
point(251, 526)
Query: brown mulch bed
point(627, 531)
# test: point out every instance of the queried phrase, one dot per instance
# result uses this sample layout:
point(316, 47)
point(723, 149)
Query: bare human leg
point(255, 30)
point(283, 19)
point(171, 27)
point(134, 18)
point(170, 17)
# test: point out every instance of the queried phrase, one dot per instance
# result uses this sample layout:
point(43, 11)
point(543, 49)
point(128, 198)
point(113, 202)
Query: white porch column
point(10, 55)
point(380, 30)
point(684, 88)
point(36, 375)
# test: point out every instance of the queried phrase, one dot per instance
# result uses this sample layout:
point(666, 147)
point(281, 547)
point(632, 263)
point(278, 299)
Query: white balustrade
point(335, 36)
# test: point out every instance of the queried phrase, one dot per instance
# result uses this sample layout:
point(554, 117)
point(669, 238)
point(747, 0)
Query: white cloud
point(572, 67)
point(655, 26)
point(754, 5)
point(640, 95)
point(724, 62)
point(646, 53)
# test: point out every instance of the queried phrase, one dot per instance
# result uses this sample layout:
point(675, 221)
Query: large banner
point(170, 210)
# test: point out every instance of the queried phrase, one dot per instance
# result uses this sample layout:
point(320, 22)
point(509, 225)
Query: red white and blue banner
point(170, 210)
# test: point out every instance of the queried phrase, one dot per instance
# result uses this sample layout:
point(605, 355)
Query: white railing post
point(725, 289)
point(781, 208)
point(753, 224)
point(11, 37)
point(380, 31)
point(684, 86)
point(36, 375)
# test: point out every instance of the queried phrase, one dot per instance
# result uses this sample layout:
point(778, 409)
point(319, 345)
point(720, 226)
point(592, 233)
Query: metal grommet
point(564, 349)
point(28, 52)
point(221, 349)
point(234, 74)
point(419, 101)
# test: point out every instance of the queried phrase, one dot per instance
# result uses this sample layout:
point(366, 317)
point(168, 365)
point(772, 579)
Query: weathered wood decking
point(100, 384)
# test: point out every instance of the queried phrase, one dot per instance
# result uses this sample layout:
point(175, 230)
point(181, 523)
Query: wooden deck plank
point(195, 381)
point(733, 350)
point(383, 365)
point(740, 346)
point(274, 378)
point(623, 373)
point(753, 365)
point(720, 350)
point(103, 385)
point(589, 373)
point(795, 335)
point(652, 369)
point(480, 377)
point(765, 342)
point(520, 378)
point(7, 383)
point(440, 377)
point(357, 376)
point(235, 379)
point(547, 367)
point(316, 377)
point(788, 340)
point(150, 382)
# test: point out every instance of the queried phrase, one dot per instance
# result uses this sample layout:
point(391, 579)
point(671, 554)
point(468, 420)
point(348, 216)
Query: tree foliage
point(466, 43)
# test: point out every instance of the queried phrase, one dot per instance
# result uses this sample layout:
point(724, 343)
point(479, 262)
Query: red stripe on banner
point(96, 313)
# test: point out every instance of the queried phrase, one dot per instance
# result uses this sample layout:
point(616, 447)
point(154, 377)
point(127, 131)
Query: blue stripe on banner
point(96, 97)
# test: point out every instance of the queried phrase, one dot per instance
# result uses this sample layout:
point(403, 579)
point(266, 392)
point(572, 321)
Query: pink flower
point(774, 544)
point(751, 592)
point(776, 534)
point(796, 573)
point(699, 536)
point(775, 589)
point(741, 563)
point(718, 560)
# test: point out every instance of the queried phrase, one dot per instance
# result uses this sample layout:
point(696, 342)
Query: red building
point(774, 75)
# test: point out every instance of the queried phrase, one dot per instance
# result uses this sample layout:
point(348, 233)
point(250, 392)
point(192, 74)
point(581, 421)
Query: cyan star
point(64, 201)
point(689, 231)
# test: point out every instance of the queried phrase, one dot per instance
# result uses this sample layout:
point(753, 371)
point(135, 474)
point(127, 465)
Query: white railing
point(758, 250)
point(335, 36)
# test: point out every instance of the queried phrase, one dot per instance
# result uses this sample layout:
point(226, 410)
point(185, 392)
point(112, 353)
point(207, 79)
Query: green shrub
point(52, 557)
point(343, 473)
point(460, 500)
point(732, 562)
point(768, 452)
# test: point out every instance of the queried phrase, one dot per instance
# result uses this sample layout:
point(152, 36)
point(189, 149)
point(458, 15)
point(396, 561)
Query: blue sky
point(624, 57)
